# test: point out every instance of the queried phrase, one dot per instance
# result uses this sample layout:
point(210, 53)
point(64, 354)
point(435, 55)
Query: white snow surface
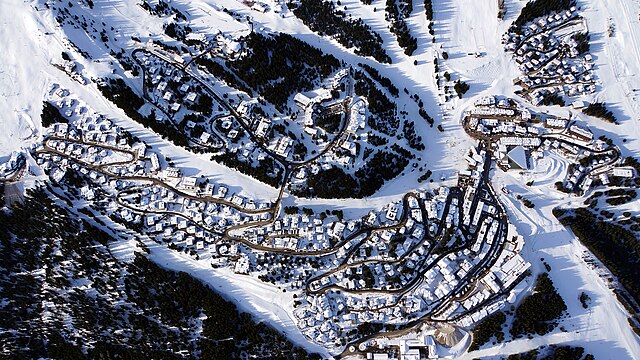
point(602, 328)
point(30, 41)
point(24, 74)
point(263, 301)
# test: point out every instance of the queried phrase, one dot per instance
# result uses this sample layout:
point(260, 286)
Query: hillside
point(64, 294)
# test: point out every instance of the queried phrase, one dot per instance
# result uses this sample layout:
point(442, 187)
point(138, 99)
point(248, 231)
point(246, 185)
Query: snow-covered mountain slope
point(67, 290)
point(100, 37)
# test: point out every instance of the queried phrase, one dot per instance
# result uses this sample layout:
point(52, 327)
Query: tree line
point(278, 66)
point(428, 10)
point(617, 247)
point(118, 92)
point(127, 310)
point(538, 313)
point(218, 70)
point(396, 13)
point(384, 81)
point(336, 183)
point(323, 18)
point(382, 110)
point(553, 352)
point(600, 110)
point(51, 115)
point(537, 8)
point(268, 170)
point(487, 329)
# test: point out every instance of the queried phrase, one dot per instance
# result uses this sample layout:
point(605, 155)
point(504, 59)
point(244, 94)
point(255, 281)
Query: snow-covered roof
point(519, 156)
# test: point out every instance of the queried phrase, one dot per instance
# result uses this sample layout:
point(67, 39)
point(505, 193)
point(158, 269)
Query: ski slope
point(462, 27)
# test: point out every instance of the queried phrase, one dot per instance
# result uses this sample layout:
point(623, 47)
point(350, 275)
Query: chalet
point(205, 137)
point(555, 123)
point(338, 230)
point(189, 183)
point(87, 193)
point(392, 212)
point(625, 172)
point(196, 37)
point(61, 129)
point(580, 133)
point(302, 100)
point(171, 172)
point(238, 200)
point(263, 127)
point(222, 191)
point(311, 131)
point(261, 7)
point(350, 147)
point(191, 97)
